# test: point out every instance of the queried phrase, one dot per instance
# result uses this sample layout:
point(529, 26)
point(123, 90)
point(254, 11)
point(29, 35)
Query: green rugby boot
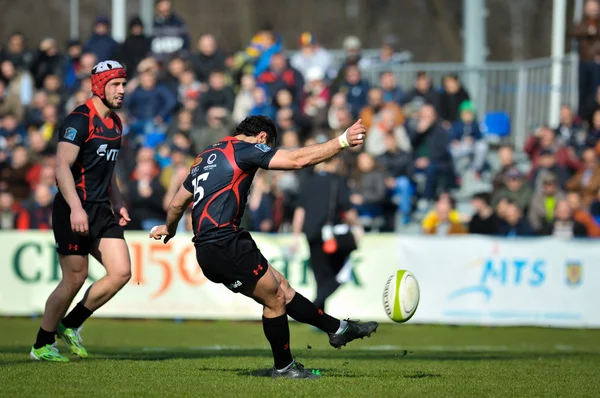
point(49, 353)
point(73, 340)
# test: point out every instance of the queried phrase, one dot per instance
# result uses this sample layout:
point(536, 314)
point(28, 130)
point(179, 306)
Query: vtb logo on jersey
point(111, 154)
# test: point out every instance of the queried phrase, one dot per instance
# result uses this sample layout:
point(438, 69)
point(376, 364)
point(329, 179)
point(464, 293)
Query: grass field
point(164, 358)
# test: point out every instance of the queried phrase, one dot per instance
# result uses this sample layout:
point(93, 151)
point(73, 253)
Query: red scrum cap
point(104, 72)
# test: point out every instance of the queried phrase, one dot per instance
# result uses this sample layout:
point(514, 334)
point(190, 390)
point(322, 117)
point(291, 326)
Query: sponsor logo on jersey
point(263, 147)
point(211, 159)
point(70, 134)
point(197, 161)
point(110, 154)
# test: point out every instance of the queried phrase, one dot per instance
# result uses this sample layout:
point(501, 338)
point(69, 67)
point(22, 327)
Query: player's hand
point(123, 216)
point(159, 231)
point(79, 221)
point(356, 134)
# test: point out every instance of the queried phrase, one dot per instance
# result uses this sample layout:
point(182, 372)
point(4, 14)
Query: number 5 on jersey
point(198, 189)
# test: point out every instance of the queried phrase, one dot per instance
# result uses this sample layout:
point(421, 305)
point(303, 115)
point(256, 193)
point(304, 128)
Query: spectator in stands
point(563, 224)
point(182, 124)
point(595, 207)
point(569, 130)
point(14, 178)
point(423, 93)
point(391, 91)
point(136, 46)
point(169, 33)
point(587, 218)
point(54, 90)
point(544, 138)
point(371, 114)
point(430, 152)
point(208, 59)
point(150, 105)
point(10, 104)
point(244, 101)
point(587, 180)
point(280, 76)
point(547, 166)
point(484, 221)
point(19, 84)
point(311, 56)
point(467, 140)
point(101, 42)
point(591, 105)
point(16, 52)
point(79, 71)
point(513, 223)
point(8, 209)
point(72, 65)
point(593, 135)
point(145, 193)
point(47, 61)
point(260, 205)
point(218, 94)
point(355, 88)
point(387, 124)
point(219, 125)
point(172, 78)
point(36, 211)
point(188, 86)
point(543, 202)
point(286, 108)
point(451, 99)
point(507, 162)
point(256, 57)
point(316, 97)
point(587, 34)
point(49, 121)
point(262, 103)
point(368, 186)
point(11, 131)
point(515, 190)
point(33, 114)
point(398, 166)
point(353, 49)
point(443, 219)
point(388, 55)
point(338, 102)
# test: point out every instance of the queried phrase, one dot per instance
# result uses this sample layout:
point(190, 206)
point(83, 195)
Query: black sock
point(277, 331)
point(43, 337)
point(76, 317)
point(302, 310)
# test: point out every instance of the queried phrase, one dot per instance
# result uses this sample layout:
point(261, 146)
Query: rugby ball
point(401, 296)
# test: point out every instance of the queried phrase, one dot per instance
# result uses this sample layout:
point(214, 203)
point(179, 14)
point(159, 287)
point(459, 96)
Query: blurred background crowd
point(425, 155)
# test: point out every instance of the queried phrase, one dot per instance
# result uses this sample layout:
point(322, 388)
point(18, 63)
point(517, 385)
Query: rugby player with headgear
point(88, 214)
point(218, 185)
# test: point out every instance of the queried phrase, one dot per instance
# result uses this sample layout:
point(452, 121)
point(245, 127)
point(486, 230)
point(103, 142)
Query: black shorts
point(102, 223)
point(235, 262)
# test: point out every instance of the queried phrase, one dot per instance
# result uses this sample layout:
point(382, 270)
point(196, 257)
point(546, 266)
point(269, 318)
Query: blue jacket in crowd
point(461, 130)
point(147, 104)
point(104, 46)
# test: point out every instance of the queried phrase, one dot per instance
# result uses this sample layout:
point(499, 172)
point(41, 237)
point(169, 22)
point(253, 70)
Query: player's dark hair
point(254, 125)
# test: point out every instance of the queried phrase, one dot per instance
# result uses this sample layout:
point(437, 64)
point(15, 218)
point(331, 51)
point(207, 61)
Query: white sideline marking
point(435, 348)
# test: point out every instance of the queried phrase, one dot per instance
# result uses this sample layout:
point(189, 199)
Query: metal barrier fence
point(521, 89)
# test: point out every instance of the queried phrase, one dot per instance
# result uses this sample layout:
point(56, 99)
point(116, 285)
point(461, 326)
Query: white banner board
point(463, 280)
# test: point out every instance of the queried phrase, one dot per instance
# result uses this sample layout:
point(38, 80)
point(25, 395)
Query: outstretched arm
point(313, 154)
point(177, 207)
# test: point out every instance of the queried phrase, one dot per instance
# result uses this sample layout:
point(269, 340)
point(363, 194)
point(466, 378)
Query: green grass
point(164, 358)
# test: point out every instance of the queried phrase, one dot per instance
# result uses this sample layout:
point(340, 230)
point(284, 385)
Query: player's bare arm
point(313, 154)
point(177, 207)
point(66, 155)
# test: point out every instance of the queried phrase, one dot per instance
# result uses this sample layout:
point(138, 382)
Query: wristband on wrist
point(344, 140)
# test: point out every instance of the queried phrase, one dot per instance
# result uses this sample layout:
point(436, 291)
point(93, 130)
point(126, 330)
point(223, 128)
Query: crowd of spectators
point(183, 95)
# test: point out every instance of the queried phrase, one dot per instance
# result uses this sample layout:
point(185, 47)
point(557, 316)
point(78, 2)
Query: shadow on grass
point(116, 354)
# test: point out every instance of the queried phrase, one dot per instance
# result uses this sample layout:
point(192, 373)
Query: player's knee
point(76, 279)
point(121, 276)
point(288, 291)
point(277, 301)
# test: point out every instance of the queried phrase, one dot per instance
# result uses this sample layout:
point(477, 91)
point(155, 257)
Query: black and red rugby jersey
point(99, 140)
point(220, 180)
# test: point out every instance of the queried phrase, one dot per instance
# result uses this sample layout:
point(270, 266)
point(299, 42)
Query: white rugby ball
point(401, 296)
